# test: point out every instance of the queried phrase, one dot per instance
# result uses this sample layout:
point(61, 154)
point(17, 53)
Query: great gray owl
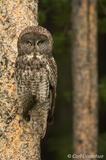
point(36, 70)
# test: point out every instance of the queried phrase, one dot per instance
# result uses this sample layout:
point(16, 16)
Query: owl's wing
point(52, 69)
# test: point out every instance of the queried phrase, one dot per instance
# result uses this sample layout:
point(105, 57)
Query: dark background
point(55, 15)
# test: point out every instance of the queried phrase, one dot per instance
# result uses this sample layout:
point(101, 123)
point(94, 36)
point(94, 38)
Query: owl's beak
point(34, 50)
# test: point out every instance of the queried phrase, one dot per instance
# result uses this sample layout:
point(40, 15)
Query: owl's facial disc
point(35, 43)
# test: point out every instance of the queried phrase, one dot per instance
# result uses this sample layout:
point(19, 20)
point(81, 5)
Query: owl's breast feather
point(40, 57)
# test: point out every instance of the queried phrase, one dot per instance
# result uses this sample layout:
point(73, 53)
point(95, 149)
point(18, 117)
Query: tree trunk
point(84, 72)
point(18, 140)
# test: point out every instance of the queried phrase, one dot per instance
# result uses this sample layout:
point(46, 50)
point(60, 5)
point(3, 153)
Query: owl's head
point(35, 40)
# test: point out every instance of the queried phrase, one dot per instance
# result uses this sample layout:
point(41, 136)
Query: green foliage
point(100, 10)
point(59, 12)
point(102, 145)
point(60, 9)
point(42, 17)
point(102, 25)
point(102, 17)
point(102, 91)
point(62, 146)
point(104, 2)
point(45, 3)
point(59, 40)
point(67, 95)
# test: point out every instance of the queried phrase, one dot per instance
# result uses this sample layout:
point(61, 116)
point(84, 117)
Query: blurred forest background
point(56, 17)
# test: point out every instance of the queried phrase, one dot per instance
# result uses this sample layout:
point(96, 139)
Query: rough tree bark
point(18, 140)
point(84, 71)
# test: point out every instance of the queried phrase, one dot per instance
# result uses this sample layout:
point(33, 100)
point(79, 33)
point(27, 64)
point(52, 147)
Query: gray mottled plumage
point(36, 70)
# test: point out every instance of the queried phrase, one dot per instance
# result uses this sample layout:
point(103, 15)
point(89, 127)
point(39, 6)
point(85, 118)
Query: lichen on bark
point(18, 140)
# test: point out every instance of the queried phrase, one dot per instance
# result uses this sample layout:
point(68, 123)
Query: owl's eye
point(40, 43)
point(29, 43)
